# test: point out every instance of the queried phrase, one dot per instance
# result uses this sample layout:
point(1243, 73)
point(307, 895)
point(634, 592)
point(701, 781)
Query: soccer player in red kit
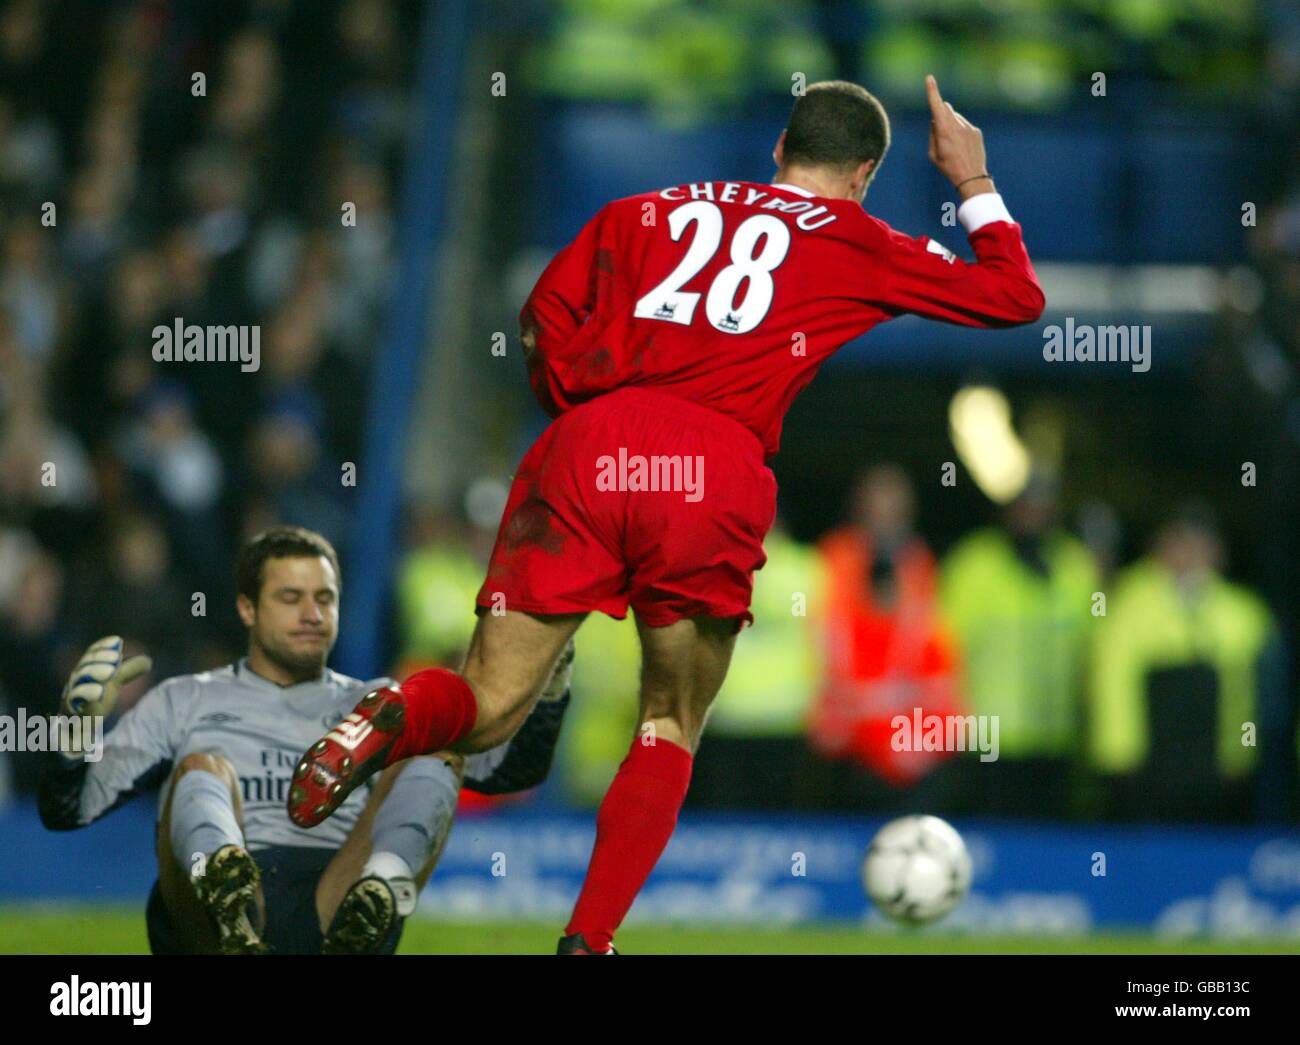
point(668, 341)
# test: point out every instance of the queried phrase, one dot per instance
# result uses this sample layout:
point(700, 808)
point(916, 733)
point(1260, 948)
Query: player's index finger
point(936, 102)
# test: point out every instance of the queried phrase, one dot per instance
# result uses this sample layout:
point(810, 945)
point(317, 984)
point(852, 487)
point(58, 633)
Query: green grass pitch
point(120, 930)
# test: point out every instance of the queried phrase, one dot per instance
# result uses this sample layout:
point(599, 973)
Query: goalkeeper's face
point(296, 619)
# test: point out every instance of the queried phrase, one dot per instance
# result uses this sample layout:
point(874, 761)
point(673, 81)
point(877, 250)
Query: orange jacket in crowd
point(880, 661)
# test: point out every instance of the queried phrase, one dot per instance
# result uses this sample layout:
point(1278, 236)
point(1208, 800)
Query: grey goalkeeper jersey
point(263, 730)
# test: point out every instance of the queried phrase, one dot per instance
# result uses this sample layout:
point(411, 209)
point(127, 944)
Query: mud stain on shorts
point(533, 525)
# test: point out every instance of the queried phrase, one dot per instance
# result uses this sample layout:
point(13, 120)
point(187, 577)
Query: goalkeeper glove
point(99, 676)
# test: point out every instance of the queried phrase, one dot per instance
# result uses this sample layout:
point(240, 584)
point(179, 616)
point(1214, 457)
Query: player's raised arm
point(956, 145)
point(76, 790)
point(921, 277)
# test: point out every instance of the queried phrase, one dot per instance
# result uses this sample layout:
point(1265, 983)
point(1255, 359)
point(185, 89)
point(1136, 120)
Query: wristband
point(977, 177)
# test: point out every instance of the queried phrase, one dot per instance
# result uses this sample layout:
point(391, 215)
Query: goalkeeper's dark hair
point(837, 124)
point(279, 542)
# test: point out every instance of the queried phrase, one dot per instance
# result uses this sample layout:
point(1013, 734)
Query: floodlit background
point(1102, 555)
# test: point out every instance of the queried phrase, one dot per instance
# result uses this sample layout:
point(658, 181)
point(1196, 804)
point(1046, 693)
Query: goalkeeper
point(235, 875)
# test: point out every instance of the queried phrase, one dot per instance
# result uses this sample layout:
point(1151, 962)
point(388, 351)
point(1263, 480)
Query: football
point(916, 869)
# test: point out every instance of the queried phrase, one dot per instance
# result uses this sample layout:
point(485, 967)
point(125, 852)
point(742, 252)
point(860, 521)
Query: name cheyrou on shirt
point(811, 215)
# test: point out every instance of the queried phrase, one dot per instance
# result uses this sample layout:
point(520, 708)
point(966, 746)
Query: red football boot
point(347, 755)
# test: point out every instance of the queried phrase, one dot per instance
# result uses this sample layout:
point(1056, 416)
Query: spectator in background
point(298, 362)
point(885, 649)
point(171, 205)
point(1186, 685)
point(1099, 528)
point(754, 754)
point(294, 482)
point(437, 583)
point(178, 473)
point(142, 597)
point(194, 294)
point(47, 484)
point(1019, 598)
point(42, 464)
point(30, 290)
point(110, 365)
point(31, 597)
point(602, 714)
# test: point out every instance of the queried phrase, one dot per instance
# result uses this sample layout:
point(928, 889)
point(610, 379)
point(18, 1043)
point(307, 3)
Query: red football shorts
point(635, 498)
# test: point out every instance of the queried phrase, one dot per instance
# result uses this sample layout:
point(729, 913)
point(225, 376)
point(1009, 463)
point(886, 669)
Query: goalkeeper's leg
point(372, 883)
point(209, 884)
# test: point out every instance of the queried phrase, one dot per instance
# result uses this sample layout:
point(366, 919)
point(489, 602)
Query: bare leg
point(184, 910)
point(509, 660)
point(682, 669)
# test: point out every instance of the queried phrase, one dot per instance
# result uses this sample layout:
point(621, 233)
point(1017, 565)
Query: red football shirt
point(732, 294)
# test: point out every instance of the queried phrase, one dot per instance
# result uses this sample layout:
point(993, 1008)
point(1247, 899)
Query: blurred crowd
point(688, 58)
point(164, 161)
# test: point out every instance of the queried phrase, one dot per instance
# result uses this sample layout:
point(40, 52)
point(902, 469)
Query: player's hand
point(956, 144)
point(99, 676)
point(558, 684)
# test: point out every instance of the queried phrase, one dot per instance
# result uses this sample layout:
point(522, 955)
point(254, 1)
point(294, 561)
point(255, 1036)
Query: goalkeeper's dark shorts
point(289, 877)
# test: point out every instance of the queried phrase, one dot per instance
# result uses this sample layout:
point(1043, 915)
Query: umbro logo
point(219, 717)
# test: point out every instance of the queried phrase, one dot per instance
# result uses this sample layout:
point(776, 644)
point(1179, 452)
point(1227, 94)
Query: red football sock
point(440, 710)
point(633, 826)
